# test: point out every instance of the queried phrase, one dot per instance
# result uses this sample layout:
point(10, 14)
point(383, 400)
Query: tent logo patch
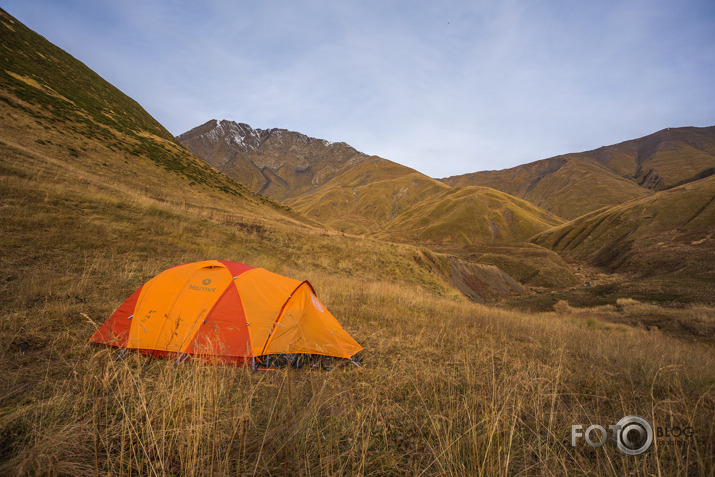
point(204, 288)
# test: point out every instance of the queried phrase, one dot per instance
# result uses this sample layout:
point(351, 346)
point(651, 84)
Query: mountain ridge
point(574, 184)
point(288, 165)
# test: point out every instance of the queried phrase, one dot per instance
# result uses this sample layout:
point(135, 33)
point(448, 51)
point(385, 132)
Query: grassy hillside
point(667, 236)
point(447, 386)
point(470, 215)
point(575, 184)
point(54, 106)
point(398, 203)
point(529, 264)
point(661, 160)
point(367, 196)
point(567, 188)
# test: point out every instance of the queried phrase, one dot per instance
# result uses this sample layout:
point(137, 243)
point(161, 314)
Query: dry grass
point(447, 387)
point(692, 323)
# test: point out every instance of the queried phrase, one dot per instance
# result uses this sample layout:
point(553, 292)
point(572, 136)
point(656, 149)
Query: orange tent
point(226, 310)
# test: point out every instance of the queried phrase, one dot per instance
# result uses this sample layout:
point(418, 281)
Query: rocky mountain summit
point(275, 162)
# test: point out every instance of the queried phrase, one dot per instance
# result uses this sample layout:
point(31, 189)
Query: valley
point(496, 217)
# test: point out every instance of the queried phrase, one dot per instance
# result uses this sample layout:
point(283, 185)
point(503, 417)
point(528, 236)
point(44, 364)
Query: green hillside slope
point(661, 160)
point(54, 106)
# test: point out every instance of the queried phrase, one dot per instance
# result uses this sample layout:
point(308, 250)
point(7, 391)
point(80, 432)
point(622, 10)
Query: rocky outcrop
point(276, 162)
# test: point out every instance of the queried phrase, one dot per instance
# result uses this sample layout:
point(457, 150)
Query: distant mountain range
point(351, 191)
point(286, 165)
point(337, 185)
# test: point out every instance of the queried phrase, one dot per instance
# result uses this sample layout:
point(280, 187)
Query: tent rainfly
point(228, 312)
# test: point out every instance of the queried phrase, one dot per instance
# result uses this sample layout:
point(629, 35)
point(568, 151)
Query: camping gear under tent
point(228, 312)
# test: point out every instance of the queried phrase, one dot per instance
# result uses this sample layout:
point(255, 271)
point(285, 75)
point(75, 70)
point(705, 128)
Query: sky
point(446, 87)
